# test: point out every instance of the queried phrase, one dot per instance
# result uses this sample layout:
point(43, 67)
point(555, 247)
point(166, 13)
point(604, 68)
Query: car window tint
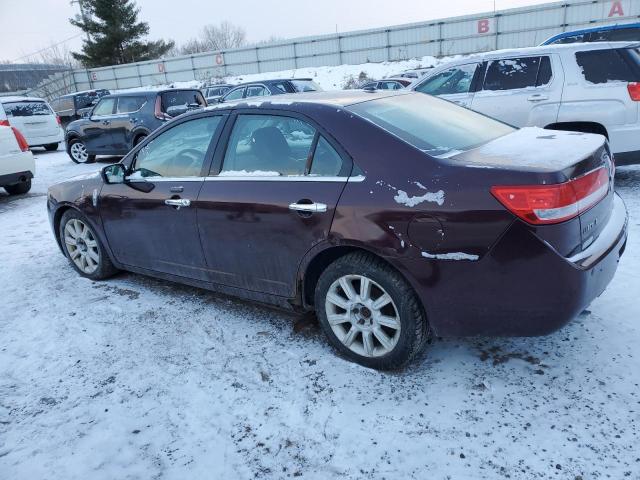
point(571, 39)
point(188, 98)
point(618, 35)
point(326, 161)
point(179, 151)
point(544, 72)
point(280, 86)
point(256, 91)
point(602, 66)
point(454, 80)
point(268, 145)
point(305, 86)
point(26, 109)
point(130, 104)
point(104, 107)
point(512, 73)
point(430, 124)
point(235, 94)
point(390, 86)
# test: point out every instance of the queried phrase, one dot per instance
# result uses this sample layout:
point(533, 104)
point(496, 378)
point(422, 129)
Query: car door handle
point(178, 202)
point(537, 98)
point(308, 207)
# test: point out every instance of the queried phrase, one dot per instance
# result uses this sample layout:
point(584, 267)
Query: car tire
point(139, 139)
point(361, 324)
point(78, 152)
point(19, 188)
point(83, 248)
point(52, 147)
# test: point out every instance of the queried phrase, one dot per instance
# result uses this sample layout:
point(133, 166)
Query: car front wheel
point(83, 247)
point(78, 152)
point(369, 313)
point(19, 188)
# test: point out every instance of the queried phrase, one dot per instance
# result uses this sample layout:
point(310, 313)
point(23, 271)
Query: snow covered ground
point(139, 378)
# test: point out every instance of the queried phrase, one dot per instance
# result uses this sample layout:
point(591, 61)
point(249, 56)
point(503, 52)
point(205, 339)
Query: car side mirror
point(86, 114)
point(114, 174)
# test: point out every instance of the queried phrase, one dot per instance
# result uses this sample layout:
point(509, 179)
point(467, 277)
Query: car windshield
point(305, 86)
point(26, 109)
point(433, 125)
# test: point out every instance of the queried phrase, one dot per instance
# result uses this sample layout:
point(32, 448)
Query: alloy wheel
point(81, 245)
point(362, 315)
point(79, 152)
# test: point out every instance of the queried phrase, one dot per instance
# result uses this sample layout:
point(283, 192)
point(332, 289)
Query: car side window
point(512, 73)
point(177, 152)
point(130, 104)
point(602, 66)
point(617, 35)
point(104, 107)
point(235, 94)
point(326, 161)
point(454, 80)
point(268, 145)
point(545, 72)
point(256, 91)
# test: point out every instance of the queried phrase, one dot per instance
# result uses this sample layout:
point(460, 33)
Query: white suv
point(34, 118)
point(587, 87)
point(17, 166)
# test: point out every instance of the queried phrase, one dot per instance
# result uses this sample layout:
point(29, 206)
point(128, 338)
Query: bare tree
point(214, 38)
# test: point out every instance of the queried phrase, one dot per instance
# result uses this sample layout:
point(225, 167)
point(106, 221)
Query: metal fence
point(518, 27)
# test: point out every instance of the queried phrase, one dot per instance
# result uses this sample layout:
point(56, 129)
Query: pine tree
point(114, 35)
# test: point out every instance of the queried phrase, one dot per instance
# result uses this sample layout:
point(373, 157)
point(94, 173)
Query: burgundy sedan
point(394, 216)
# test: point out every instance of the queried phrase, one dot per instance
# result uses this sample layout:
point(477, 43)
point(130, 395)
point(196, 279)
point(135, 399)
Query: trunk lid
point(34, 119)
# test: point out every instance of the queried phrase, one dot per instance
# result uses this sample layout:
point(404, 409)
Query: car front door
point(97, 131)
point(270, 198)
point(454, 84)
point(150, 220)
point(124, 120)
point(522, 91)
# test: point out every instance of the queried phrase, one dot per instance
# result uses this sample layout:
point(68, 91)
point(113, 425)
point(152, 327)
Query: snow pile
point(403, 199)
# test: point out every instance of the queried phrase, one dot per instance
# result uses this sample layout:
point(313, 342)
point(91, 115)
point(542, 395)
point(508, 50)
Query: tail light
point(4, 123)
point(159, 114)
point(545, 204)
point(634, 91)
point(22, 142)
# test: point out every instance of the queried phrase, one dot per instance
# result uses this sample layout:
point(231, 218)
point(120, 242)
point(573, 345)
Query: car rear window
point(617, 35)
point(306, 86)
point(512, 73)
point(26, 109)
point(435, 126)
point(182, 97)
point(611, 65)
point(130, 104)
point(88, 99)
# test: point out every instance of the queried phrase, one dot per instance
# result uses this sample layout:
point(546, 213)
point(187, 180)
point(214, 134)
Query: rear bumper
point(522, 287)
point(41, 140)
point(13, 178)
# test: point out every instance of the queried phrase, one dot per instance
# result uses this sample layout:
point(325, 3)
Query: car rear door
point(150, 220)
point(269, 199)
point(453, 84)
point(124, 119)
point(521, 91)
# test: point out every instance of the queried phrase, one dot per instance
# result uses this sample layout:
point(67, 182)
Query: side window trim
point(225, 135)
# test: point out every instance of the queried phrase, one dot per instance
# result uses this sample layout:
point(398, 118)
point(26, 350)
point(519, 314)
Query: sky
point(30, 25)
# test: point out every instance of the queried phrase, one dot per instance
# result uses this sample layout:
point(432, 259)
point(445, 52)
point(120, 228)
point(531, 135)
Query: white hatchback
point(34, 118)
point(587, 87)
point(17, 165)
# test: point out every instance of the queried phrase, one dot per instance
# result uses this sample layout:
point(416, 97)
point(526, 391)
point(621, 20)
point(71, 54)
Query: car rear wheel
point(139, 139)
point(369, 313)
point(19, 188)
point(52, 147)
point(83, 247)
point(78, 152)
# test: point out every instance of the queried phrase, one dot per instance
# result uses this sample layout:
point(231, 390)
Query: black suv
point(265, 88)
point(72, 106)
point(119, 122)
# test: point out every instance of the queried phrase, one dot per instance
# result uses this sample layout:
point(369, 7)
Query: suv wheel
point(83, 247)
point(139, 139)
point(78, 152)
point(370, 313)
point(52, 147)
point(19, 188)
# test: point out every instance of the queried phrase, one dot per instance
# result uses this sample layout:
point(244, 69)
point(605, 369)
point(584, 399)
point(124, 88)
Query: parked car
point(34, 118)
point(119, 122)
point(629, 32)
point(393, 215)
point(17, 166)
point(388, 84)
point(586, 87)
point(74, 105)
point(213, 92)
point(266, 88)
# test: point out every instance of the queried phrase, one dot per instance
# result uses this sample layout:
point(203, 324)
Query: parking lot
point(139, 378)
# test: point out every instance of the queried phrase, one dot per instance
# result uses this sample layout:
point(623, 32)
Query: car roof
point(84, 91)
point(273, 80)
point(602, 28)
point(21, 99)
point(137, 93)
point(336, 99)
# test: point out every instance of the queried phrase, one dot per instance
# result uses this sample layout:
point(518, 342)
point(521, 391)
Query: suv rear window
point(182, 97)
point(616, 35)
point(26, 109)
point(435, 126)
point(611, 65)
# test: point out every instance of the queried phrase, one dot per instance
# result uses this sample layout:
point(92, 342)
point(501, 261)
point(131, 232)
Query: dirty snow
point(450, 256)
point(139, 378)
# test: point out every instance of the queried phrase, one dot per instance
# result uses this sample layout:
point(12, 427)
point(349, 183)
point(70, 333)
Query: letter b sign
point(484, 26)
